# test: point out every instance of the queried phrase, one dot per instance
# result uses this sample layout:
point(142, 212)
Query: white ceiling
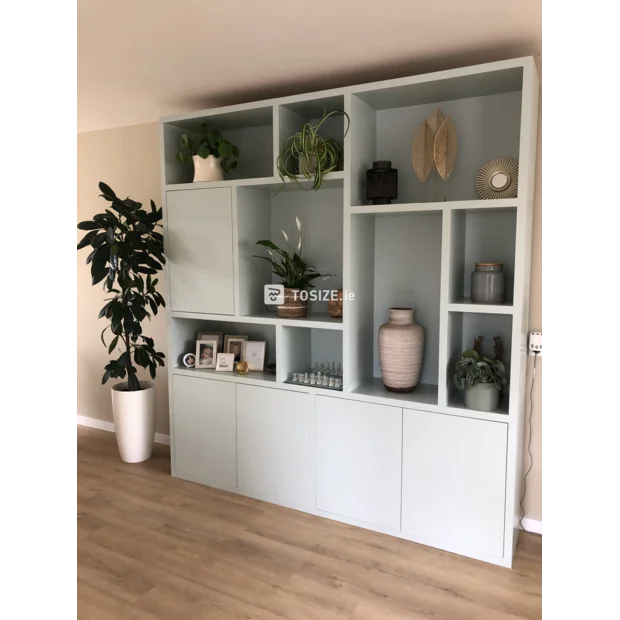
point(142, 59)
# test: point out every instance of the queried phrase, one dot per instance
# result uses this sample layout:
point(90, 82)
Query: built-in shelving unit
point(417, 252)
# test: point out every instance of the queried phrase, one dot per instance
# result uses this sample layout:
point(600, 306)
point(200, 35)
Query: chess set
point(327, 376)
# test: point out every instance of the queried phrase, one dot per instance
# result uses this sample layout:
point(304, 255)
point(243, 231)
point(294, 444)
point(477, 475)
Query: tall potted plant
point(481, 377)
point(126, 252)
point(211, 153)
point(295, 273)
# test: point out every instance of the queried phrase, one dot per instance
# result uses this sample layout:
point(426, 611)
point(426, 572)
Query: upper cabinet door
point(199, 248)
point(454, 482)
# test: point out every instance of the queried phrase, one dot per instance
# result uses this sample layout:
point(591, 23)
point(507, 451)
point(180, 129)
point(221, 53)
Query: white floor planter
point(134, 421)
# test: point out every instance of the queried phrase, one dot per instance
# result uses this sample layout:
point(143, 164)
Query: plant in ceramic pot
point(309, 154)
point(480, 377)
point(211, 153)
point(295, 273)
point(126, 252)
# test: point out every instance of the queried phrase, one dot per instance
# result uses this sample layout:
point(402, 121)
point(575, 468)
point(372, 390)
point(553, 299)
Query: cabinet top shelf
point(331, 180)
point(474, 81)
point(415, 207)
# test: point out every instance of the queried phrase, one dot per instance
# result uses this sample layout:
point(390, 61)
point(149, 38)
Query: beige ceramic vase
point(401, 349)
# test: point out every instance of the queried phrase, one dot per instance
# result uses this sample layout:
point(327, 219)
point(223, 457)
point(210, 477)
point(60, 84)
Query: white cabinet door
point(199, 248)
point(273, 444)
point(454, 482)
point(358, 460)
point(204, 431)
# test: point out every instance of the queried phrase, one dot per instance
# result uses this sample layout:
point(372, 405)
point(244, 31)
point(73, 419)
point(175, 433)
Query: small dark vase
point(382, 183)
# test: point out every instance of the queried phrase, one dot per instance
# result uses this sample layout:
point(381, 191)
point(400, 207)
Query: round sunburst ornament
point(498, 178)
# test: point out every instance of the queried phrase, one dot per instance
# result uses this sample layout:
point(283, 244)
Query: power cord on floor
point(529, 443)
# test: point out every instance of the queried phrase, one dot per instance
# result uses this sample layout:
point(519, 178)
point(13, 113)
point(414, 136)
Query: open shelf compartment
point(302, 348)
point(485, 109)
point(384, 251)
point(183, 340)
point(463, 327)
point(251, 131)
point(292, 117)
point(482, 236)
point(263, 215)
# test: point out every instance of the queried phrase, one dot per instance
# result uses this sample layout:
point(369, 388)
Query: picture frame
point(225, 362)
point(208, 335)
point(255, 355)
point(206, 352)
point(236, 346)
point(189, 360)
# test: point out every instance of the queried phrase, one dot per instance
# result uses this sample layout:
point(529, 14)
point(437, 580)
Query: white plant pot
point(208, 169)
point(134, 421)
point(482, 397)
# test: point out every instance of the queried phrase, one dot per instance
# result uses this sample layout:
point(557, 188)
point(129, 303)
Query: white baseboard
point(531, 525)
point(102, 425)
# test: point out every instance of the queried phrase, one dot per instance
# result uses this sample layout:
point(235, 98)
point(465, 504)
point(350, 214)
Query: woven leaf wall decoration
point(445, 148)
point(422, 151)
point(434, 121)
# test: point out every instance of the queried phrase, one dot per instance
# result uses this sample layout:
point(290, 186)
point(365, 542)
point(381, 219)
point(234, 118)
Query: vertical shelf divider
point(444, 300)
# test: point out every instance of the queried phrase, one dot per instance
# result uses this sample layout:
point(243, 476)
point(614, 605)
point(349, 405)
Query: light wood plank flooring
point(151, 546)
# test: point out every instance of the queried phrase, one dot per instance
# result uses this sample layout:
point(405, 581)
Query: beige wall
point(127, 160)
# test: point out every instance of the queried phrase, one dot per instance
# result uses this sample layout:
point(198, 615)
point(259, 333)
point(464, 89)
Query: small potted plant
point(308, 153)
point(211, 153)
point(295, 273)
point(126, 252)
point(481, 378)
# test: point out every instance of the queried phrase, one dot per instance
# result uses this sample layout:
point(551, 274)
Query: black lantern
point(381, 183)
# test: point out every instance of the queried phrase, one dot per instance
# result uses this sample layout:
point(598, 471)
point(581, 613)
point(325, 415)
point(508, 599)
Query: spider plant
point(474, 368)
point(308, 153)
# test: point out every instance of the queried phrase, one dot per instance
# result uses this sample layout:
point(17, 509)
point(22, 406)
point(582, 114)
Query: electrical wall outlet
point(534, 346)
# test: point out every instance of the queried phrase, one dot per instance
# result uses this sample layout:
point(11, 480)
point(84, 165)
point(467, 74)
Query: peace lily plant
point(295, 273)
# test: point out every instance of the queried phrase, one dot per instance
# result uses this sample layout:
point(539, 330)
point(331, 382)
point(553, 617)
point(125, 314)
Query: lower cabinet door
point(454, 482)
point(204, 431)
point(273, 444)
point(358, 460)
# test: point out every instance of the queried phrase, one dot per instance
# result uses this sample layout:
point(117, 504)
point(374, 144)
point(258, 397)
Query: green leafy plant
point(291, 268)
point(308, 153)
point(126, 252)
point(208, 141)
point(474, 368)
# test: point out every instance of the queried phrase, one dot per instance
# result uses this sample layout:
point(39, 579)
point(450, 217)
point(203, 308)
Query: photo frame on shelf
point(255, 355)
point(189, 360)
point(236, 346)
point(207, 335)
point(225, 362)
point(206, 351)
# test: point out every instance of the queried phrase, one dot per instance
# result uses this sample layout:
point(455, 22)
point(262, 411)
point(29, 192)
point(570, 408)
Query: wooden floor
point(152, 546)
